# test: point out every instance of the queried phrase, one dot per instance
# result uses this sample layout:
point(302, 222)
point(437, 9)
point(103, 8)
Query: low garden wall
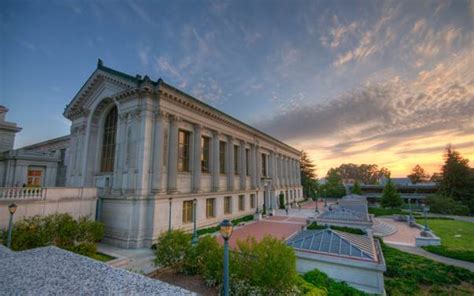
point(44, 201)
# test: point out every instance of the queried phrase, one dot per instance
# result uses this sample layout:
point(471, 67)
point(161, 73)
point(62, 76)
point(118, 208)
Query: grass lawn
point(457, 239)
point(102, 257)
point(409, 274)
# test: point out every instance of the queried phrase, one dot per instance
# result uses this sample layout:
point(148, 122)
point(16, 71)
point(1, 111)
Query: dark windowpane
point(264, 165)
point(247, 168)
point(222, 154)
point(236, 160)
point(183, 151)
point(108, 141)
point(205, 152)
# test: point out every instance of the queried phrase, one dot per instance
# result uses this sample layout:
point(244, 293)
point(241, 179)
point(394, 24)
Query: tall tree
point(418, 175)
point(356, 188)
point(364, 173)
point(390, 196)
point(333, 186)
point(308, 176)
point(457, 178)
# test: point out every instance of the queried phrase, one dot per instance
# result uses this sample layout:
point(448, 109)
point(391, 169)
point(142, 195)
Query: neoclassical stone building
point(155, 153)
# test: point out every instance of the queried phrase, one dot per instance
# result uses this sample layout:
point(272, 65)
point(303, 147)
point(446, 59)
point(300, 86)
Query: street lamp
point(12, 210)
point(226, 232)
point(425, 213)
point(316, 210)
point(169, 218)
point(325, 199)
point(194, 241)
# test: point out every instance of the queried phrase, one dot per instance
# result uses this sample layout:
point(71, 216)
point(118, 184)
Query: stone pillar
point(287, 172)
point(298, 166)
point(259, 166)
point(145, 142)
point(215, 161)
point(156, 183)
point(197, 159)
point(230, 163)
point(253, 166)
point(120, 152)
point(243, 166)
point(173, 155)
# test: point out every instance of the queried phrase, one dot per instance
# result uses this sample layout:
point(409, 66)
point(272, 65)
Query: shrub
point(315, 225)
point(172, 248)
point(465, 255)
point(242, 219)
point(85, 249)
point(445, 205)
point(308, 289)
point(206, 258)
point(60, 230)
point(257, 262)
point(334, 288)
point(282, 201)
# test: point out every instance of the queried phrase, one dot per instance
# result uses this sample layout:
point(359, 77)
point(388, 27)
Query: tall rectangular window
point(236, 159)
point(205, 154)
point(210, 207)
point(252, 201)
point(34, 178)
point(188, 211)
point(247, 157)
point(183, 151)
point(264, 165)
point(228, 205)
point(222, 155)
point(241, 202)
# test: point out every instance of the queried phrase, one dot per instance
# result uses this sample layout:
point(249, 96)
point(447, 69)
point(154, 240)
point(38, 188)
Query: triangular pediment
point(103, 82)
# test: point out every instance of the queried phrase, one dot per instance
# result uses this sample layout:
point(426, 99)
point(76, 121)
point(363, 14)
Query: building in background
point(155, 154)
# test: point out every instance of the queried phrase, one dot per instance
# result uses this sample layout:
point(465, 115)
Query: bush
point(257, 263)
point(282, 201)
point(386, 212)
point(465, 255)
point(308, 289)
point(60, 230)
point(314, 226)
point(334, 288)
point(85, 249)
point(445, 205)
point(172, 249)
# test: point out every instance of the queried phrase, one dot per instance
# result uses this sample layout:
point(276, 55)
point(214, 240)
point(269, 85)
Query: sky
point(384, 82)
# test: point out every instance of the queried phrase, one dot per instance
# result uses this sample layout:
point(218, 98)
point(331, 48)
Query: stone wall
point(76, 201)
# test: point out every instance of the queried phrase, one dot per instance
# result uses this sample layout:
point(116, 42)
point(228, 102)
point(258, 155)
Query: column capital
point(215, 133)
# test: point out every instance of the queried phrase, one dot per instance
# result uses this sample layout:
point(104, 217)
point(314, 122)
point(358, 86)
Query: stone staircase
point(382, 229)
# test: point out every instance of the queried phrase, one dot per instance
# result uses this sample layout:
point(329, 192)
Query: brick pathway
point(405, 235)
point(278, 226)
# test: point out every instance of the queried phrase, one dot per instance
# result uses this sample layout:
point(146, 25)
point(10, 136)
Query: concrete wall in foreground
point(362, 275)
point(44, 201)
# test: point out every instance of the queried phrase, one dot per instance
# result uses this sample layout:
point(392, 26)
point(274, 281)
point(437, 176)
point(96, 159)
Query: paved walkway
point(434, 257)
point(280, 227)
point(405, 235)
point(136, 260)
point(460, 218)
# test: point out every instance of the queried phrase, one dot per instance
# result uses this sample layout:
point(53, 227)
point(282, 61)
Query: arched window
point(108, 141)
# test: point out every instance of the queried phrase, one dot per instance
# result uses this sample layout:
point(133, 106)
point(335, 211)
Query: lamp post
point(12, 210)
point(325, 199)
point(226, 232)
point(194, 241)
point(169, 218)
point(316, 210)
point(425, 213)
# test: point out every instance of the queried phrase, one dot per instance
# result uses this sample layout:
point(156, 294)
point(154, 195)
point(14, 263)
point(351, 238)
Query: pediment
point(101, 84)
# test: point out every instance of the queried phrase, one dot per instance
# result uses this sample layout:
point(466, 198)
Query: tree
point(333, 186)
point(308, 176)
point(364, 173)
point(418, 175)
point(390, 197)
point(356, 188)
point(457, 178)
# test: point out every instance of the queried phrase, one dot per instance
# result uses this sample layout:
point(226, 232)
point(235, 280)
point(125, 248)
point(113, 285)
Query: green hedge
point(334, 288)
point(216, 228)
point(409, 274)
point(465, 255)
point(314, 226)
point(60, 230)
point(386, 212)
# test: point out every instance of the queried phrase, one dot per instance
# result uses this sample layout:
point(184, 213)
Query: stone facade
point(145, 186)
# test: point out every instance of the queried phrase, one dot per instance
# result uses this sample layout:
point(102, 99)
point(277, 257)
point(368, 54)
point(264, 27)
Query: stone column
point(173, 155)
point(286, 171)
point(215, 161)
point(298, 166)
point(145, 143)
point(120, 152)
point(258, 166)
point(156, 183)
point(253, 166)
point(230, 163)
point(243, 166)
point(197, 159)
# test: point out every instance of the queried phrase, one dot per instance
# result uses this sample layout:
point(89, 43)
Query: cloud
point(338, 33)
point(385, 115)
point(143, 55)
